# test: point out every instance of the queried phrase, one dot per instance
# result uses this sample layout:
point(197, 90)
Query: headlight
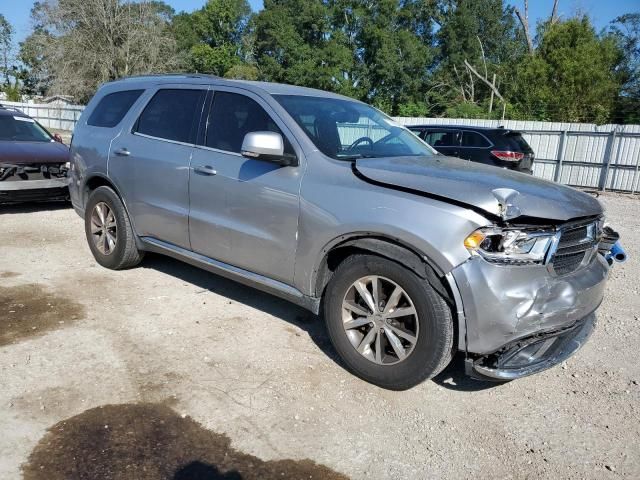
point(511, 246)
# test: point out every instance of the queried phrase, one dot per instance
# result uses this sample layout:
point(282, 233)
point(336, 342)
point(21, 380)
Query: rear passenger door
point(444, 140)
point(150, 161)
point(244, 211)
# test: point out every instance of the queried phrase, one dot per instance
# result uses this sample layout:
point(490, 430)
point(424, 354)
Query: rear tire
point(386, 347)
point(109, 232)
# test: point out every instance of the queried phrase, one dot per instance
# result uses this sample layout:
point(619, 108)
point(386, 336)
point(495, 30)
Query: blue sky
point(600, 11)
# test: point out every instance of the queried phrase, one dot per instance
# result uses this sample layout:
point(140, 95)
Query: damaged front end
point(529, 294)
point(33, 182)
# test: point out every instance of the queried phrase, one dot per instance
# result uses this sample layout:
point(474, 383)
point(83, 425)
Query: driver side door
point(243, 211)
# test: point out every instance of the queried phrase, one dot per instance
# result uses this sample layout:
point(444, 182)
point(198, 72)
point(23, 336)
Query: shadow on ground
point(148, 441)
point(265, 302)
point(453, 377)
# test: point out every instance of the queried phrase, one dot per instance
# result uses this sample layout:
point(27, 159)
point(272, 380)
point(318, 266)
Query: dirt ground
point(165, 371)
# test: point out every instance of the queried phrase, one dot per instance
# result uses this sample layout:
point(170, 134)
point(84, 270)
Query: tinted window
point(443, 138)
point(172, 114)
point(518, 142)
point(232, 116)
point(16, 128)
point(112, 108)
point(473, 139)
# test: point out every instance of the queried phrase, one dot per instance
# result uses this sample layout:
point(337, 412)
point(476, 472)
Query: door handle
point(205, 170)
point(123, 152)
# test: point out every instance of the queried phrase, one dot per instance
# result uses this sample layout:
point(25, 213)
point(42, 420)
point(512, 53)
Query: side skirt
point(239, 275)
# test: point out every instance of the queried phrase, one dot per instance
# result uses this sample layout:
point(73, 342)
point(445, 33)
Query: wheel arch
point(392, 249)
point(336, 251)
point(100, 180)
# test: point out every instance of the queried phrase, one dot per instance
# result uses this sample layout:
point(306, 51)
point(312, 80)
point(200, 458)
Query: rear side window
point(112, 108)
point(172, 114)
point(473, 139)
point(443, 138)
point(232, 116)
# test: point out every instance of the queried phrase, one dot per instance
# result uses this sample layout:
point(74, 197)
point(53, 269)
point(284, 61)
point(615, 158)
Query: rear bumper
point(532, 355)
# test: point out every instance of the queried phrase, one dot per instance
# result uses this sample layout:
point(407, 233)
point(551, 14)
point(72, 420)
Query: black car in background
point(499, 147)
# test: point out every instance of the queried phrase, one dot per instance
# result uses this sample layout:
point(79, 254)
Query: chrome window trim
point(167, 140)
point(217, 150)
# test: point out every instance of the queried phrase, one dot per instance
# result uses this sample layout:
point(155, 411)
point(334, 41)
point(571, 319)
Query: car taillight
point(507, 155)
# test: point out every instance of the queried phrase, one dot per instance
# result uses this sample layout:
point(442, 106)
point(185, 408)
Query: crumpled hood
point(23, 153)
point(499, 192)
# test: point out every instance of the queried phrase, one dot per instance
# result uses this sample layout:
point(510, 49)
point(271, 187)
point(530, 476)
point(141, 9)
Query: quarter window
point(232, 116)
point(112, 108)
point(473, 139)
point(172, 114)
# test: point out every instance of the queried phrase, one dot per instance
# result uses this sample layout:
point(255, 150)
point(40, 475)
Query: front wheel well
point(93, 183)
point(382, 247)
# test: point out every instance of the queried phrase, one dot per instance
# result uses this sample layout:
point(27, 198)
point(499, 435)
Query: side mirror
point(267, 146)
point(57, 138)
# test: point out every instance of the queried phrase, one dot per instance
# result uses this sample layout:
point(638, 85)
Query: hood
point(23, 153)
point(496, 191)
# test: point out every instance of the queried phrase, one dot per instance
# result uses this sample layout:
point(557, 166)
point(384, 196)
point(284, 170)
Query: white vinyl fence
point(61, 117)
point(605, 157)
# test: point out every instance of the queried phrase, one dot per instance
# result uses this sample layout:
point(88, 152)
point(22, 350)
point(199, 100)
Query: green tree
point(626, 30)
point(483, 33)
point(571, 77)
point(375, 51)
point(6, 44)
point(211, 39)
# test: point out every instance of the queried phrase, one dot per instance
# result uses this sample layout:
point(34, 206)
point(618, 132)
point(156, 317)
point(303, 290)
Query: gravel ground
point(165, 371)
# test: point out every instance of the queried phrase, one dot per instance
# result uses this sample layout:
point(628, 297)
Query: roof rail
point(161, 75)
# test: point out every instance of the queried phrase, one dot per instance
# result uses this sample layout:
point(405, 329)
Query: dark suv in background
point(499, 147)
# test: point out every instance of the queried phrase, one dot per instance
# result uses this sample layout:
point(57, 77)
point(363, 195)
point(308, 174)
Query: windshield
point(347, 130)
point(21, 129)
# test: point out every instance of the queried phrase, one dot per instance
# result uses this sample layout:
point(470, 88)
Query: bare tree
point(524, 21)
point(94, 41)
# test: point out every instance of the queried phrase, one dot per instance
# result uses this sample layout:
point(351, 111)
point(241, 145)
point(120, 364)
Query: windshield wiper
point(355, 156)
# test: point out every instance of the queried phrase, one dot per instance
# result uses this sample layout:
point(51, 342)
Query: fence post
point(603, 177)
point(561, 148)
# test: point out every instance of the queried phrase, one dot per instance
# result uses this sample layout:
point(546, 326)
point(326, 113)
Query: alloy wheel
point(104, 228)
point(380, 320)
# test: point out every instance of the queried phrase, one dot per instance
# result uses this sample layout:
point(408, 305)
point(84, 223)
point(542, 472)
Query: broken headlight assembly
point(511, 246)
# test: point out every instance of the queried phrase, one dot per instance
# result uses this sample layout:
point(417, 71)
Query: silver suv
point(325, 201)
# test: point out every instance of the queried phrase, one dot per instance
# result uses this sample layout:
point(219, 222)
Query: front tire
point(388, 325)
point(109, 232)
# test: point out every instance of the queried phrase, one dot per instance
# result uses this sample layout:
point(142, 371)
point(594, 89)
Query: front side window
point(232, 116)
point(17, 128)
point(112, 108)
point(345, 130)
point(443, 138)
point(172, 114)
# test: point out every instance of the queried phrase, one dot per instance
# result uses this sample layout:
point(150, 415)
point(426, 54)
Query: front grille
point(574, 243)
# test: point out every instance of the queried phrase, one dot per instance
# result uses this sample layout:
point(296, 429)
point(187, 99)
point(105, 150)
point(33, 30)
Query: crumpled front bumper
point(532, 355)
point(508, 306)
